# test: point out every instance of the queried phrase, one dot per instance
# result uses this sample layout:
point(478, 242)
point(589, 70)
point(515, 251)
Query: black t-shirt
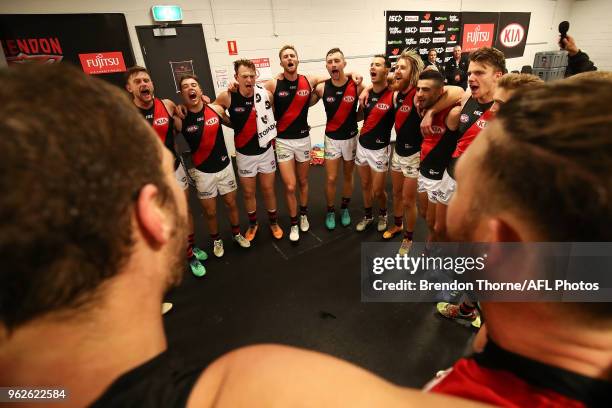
point(379, 116)
point(291, 102)
point(204, 134)
point(164, 381)
point(244, 120)
point(341, 109)
point(407, 125)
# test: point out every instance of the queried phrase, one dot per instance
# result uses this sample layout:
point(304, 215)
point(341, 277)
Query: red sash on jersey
point(438, 124)
point(403, 111)
point(209, 136)
point(161, 119)
point(346, 105)
point(248, 130)
point(468, 137)
point(467, 379)
point(297, 104)
point(376, 114)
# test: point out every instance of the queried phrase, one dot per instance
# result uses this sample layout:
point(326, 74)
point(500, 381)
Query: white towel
point(266, 125)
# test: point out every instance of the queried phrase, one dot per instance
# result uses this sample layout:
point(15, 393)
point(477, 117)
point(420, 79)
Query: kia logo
point(349, 99)
point(212, 121)
point(437, 130)
point(512, 35)
point(382, 106)
point(160, 121)
point(302, 92)
point(404, 109)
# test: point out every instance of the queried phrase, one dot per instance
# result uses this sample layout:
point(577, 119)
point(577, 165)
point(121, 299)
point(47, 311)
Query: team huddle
point(434, 124)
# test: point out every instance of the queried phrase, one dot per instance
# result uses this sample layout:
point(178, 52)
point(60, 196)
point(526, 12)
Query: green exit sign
point(167, 13)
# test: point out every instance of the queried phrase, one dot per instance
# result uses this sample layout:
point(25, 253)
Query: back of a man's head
point(548, 161)
point(74, 153)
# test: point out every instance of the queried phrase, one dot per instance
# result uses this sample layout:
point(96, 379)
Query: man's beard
point(402, 85)
point(464, 230)
point(177, 250)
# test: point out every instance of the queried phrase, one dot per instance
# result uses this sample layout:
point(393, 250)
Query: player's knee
point(290, 188)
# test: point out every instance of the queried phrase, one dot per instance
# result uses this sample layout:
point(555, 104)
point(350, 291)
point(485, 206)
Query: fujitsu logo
point(302, 92)
point(102, 62)
point(99, 61)
point(477, 36)
point(160, 121)
point(212, 121)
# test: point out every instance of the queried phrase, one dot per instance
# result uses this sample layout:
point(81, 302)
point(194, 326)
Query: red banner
point(102, 62)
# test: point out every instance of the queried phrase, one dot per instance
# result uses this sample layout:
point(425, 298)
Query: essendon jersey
point(379, 116)
point(341, 109)
point(291, 102)
point(407, 125)
point(437, 148)
point(471, 122)
point(204, 135)
point(242, 115)
point(504, 379)
point(163, 124)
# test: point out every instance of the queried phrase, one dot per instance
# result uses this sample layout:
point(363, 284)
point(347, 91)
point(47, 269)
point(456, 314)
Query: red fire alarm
point(232, 48)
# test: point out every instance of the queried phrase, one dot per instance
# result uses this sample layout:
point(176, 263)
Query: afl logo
point(481, 123)
point(404, 109)
point(382, 106)
point(192, 128)
point(349, 99)
point(239, 109)
point(212, 121)
point(464, 118)
point(302, 92)
point(330, 99)
point(160, 121)
point(283, 93)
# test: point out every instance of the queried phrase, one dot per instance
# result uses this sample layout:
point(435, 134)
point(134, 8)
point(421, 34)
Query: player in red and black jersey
point(437, 146)
point(372, 157)
point(292, 98)
point(486, 66)
point(340, 98)
point(253, 161)
point(160, 113)
point(213, 172)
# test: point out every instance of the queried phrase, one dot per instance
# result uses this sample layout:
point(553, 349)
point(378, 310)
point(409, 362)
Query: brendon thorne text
point(481, 285)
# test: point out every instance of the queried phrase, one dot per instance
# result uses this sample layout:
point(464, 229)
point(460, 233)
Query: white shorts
point(446, 188)
point(249, 166)
point(378, 160)
point(211, 184)
point(429, 186)
point(335, 149)
point(408, 165)
point(287, 149)
point(181, 176)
